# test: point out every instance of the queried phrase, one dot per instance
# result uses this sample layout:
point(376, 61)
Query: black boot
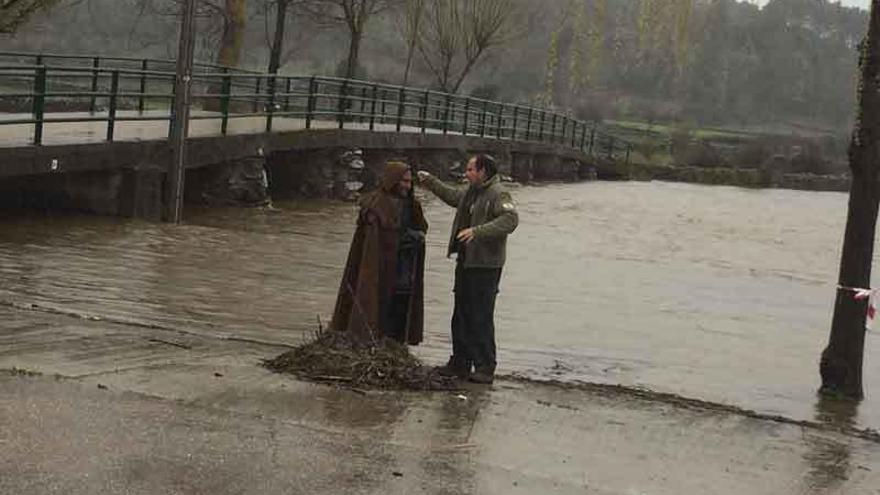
point(483, 374)
point(455, 368)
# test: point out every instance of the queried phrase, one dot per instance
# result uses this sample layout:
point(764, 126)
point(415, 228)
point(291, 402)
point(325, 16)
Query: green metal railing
point(40, 94)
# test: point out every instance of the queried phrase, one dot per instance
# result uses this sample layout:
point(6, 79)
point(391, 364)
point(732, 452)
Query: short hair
point(487, 163)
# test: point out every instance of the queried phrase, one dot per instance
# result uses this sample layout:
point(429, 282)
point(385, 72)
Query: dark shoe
point(454, 368)
point(483, 375)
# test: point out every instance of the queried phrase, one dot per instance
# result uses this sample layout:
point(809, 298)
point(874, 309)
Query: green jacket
point(493, 217)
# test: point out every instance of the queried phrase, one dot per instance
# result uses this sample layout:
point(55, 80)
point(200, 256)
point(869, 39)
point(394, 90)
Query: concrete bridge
point(91, 134)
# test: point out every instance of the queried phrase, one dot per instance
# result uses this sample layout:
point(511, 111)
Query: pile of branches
point(334, 357)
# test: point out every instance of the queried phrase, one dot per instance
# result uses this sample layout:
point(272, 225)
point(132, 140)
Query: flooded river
point(717, 293)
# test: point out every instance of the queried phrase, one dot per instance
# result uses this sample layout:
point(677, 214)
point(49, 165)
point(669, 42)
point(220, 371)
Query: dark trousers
point(473, 319)
point(396, 317)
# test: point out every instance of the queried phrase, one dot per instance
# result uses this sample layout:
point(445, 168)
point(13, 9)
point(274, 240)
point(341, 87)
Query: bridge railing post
point(342, 103)
point(271, 84)
point(541, 126)
point(446, 106)
point(500, 128)
point(467, 114)
point(515, 114)
point(142, 88)
point(529, 124)
point(375, 95)
point(401, 107)
point(96, 63)
point(225, 96)
point(111, 111)
point(483, 119)
point(423, 111)
point(257, 88)
point(363, 103)
point(564, 130)
point(583, 135)
point(39, 103)
point(310, 103)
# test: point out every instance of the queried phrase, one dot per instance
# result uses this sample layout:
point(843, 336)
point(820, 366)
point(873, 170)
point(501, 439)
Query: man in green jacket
point(484, 218)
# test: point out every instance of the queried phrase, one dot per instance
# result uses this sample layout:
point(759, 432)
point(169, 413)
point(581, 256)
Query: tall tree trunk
point(278, 40)
point(233, 33)
point(841, 362)
point(354, 49)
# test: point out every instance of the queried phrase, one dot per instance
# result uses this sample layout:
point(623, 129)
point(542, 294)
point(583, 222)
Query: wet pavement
point(204, 124)
point(94, 407)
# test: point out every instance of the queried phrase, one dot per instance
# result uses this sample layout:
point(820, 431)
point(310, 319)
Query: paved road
point(107, 408)
point(95, 132)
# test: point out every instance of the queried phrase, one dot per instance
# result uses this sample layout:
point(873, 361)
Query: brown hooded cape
point(368, 282)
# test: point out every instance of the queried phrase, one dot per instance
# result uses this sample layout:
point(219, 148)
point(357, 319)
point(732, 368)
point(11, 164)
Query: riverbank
point(741, 177)
point(95, 407)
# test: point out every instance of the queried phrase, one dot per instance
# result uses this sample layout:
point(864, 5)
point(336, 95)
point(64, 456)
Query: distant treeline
point(791, 64)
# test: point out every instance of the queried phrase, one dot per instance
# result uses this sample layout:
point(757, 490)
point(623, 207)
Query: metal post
point(271, 83)
point(583, 135)
point(553, 130)
point(111, 112)
point(400, 107)
point(500, 121)
point(373, 107)
point(143, 87)
point(287, 97)
point(483, 119)
point(39, 104)
point(467, 113)
point(541, 126)
point(96, 62)
point(310, 103)
point(564, 129)
point(342, 106)
point(363, 103)
point(424, 109)
point(446, 113)
point(225, 91)
point(592, 138)
point(180, 122)
point(257, 87)
point(513, 132)
point(529, 125)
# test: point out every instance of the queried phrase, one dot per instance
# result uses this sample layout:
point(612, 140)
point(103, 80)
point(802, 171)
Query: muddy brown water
point(717, 293)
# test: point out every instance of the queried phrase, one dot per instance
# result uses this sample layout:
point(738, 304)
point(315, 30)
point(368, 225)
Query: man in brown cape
point(382, 289)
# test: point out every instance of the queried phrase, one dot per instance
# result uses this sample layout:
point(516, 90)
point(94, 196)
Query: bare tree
point(413, 13)
point(14, 13)
point(234, 20)
point(354, 14)
point(841, 362)
point(457, 33)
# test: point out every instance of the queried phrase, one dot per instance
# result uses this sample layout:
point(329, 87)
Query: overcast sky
point(851, 3)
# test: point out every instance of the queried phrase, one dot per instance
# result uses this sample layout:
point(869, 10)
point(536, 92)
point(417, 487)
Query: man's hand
point(466, 235)
point(423, 176)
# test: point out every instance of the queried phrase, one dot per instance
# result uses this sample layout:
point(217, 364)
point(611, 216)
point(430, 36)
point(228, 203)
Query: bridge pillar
point(242, 182)
point(122, 192)
point(522, 167)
